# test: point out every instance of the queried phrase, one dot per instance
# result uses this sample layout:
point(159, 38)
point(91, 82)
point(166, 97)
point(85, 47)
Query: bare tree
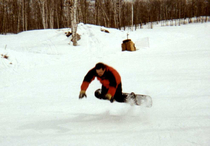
point(83, 6)
point(97, 2)
point(132, 14)
point(22, 15)
point(74, 22)
point(4, 17)
point(118, 13)
point(42, 5)
point(51, 9)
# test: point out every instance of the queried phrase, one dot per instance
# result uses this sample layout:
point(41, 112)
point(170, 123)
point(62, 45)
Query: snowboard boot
point(98, 93)
point(132, 98)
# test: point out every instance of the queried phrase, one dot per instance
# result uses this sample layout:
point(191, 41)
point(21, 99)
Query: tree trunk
point(23, 15)
point(97, 12)
point(132, 15)
point(119, 13)
point(74, 22)
point(115, 13)
point(19, 17)
point(42, 4)
point(52, 14)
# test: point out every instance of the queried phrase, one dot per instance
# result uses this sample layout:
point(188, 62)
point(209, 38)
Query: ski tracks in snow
point(93, 41)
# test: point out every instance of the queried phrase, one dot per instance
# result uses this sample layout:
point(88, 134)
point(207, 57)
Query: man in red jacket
point(109, 78)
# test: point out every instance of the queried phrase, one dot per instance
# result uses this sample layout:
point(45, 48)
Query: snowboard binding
point(139, 99)
point(131, 97)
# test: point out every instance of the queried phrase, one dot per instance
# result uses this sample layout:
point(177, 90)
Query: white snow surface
point(40, 83)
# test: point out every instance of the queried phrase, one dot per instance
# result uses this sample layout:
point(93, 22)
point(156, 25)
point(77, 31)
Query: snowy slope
point(40, 83)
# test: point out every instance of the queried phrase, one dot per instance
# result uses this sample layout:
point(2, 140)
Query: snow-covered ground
point(40, 83)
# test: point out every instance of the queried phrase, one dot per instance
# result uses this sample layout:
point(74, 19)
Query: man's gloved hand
point(82, 94)
point(109, 97)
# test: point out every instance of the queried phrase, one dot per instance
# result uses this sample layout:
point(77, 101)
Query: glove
point(82, 94)
point(109, 97)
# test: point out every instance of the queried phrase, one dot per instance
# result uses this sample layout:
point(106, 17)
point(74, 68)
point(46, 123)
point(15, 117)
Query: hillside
point(41, 78)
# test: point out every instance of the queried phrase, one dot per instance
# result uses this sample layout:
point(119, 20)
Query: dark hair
point(100, 65)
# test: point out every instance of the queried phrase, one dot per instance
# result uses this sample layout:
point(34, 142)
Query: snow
point(40, 83)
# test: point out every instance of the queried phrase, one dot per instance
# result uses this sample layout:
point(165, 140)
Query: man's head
point(100, 69)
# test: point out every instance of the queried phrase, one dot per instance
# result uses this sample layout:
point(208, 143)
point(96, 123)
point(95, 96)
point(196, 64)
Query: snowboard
point(138, 99)
point(131, 98)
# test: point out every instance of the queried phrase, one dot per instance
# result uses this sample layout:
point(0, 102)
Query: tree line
point(23, 15)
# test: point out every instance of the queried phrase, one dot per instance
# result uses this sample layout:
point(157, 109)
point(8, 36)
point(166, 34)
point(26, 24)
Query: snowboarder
point(111, 83)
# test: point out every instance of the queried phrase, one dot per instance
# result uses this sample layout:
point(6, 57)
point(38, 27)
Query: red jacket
point(110, 79)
